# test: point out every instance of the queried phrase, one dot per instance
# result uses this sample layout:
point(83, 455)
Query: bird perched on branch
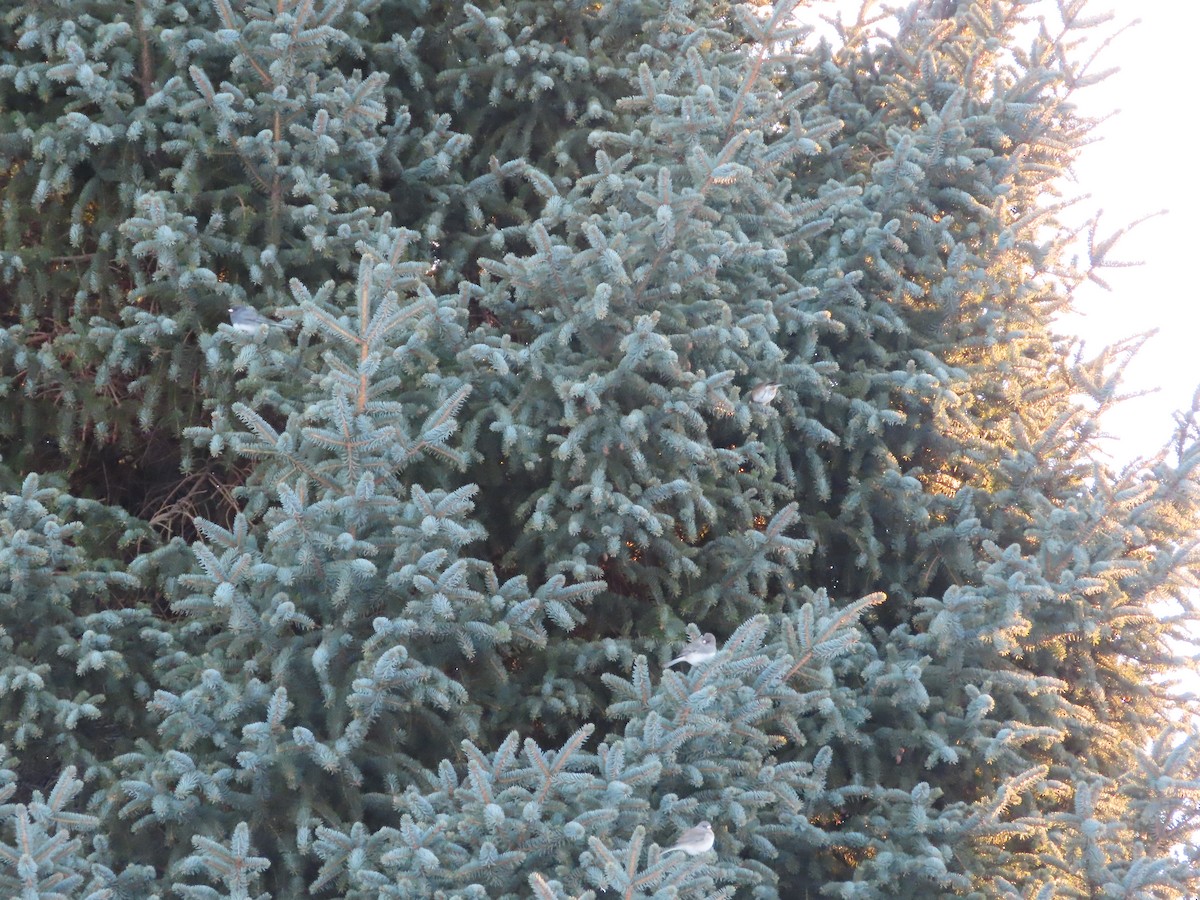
point(248, 320)
point(695, 840)
point(700, 650)
point(764, 392)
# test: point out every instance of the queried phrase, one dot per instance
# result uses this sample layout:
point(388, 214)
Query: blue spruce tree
point(659, 470)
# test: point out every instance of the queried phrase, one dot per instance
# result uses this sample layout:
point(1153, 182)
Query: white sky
point(1143, 164)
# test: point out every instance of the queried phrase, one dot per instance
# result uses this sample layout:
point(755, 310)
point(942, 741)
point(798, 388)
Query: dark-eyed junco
point(700, 650)
point(695, 840)
point(248, 320)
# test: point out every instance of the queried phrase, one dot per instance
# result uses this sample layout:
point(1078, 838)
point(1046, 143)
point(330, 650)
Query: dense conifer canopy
point(377, 604)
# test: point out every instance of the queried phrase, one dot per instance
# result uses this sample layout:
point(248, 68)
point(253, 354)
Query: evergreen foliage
point(376, 605)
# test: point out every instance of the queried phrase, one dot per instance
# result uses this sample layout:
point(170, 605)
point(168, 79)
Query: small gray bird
point(764, 392)
point(702, 649)
point(248, 320)
point(695, 840)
